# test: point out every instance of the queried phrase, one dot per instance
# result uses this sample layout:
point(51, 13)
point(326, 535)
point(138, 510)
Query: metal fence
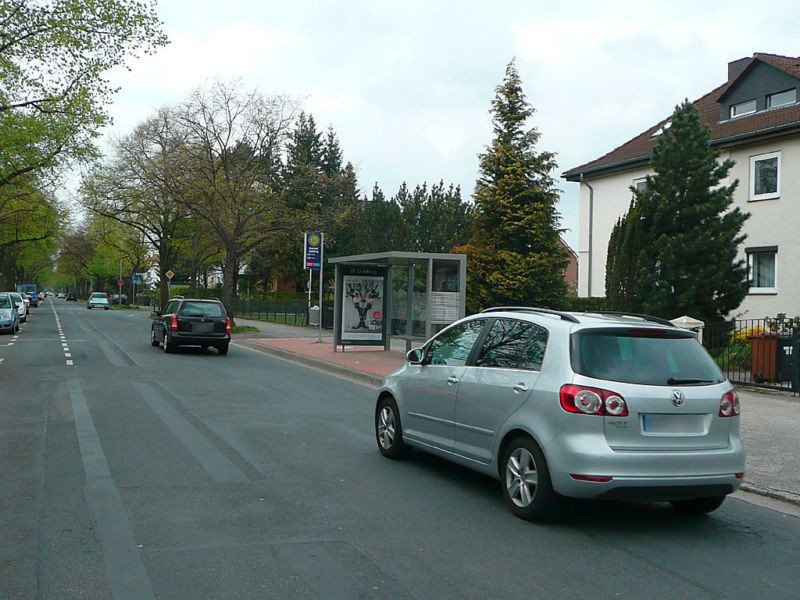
point(290, 312)
point(757, 352)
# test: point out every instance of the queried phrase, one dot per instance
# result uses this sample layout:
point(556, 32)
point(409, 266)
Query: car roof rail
point(565, 316)
point(614, 313)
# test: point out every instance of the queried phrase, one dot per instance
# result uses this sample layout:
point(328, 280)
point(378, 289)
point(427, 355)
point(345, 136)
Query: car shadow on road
point(596, 516)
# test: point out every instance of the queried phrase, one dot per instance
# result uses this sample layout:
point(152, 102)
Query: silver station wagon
point(594, 405)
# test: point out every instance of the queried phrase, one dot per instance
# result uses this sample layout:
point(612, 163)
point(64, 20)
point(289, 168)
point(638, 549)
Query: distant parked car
point(9, 318)
point(98, 300)
point(117, 299)
point(22, 308)
point(72, 297)
point(34, 298)
point(60, 295)
point(188, 322)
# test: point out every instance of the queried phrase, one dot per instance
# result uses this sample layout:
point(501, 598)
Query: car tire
point(222, 349)
point(153, 338)
point(389, 431)
point(697, 506)
point(526, 483)
point(166, 346)
point(105, 308)
point(88, 308)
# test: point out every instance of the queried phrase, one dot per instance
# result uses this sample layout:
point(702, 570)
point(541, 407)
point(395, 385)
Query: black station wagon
point(188, 322)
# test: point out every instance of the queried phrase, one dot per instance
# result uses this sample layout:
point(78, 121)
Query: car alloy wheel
point(521, 477)
point(526, 481)
point(388, 431)
point(166, 346)
point(386, 428)
point(153, 340)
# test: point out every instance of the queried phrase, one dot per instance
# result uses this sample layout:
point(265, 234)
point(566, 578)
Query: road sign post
point(136, 279)
point(312, 260)
point(170, 274)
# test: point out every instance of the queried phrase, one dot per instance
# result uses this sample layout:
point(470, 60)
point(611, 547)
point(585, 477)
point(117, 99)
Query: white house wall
point(772, 223)
point(612, 198)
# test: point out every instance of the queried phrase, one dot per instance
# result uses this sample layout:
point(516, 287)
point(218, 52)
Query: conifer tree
point(515, 254)
point(688, 234)
point(621, 261)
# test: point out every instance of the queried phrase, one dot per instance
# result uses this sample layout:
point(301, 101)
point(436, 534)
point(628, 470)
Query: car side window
point(512, 344)
point(453, 346)
point(170, 308)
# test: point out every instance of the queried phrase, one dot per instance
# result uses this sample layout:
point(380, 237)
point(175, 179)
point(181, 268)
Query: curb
point(781, 495)
point(360, 376)
point(375, 381)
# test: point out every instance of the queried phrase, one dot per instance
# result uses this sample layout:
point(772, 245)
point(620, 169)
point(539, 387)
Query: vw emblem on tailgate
point(677, 398)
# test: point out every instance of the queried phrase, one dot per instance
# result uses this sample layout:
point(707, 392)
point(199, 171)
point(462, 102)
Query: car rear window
point(655, 357)
point(99, 295)
point(202, 309)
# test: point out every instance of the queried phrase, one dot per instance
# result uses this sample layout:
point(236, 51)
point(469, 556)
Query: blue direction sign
point(313, 251)
point(136, 279)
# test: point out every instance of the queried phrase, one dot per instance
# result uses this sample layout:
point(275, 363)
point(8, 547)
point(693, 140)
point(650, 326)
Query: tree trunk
point(229, 281)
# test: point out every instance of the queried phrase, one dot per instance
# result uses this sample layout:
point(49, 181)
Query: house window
point(765, 176)
point(762, 269)
point(743, 108)
point(782, 98)
point(640, 185)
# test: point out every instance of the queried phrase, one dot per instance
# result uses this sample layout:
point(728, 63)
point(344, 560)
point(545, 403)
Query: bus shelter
point(407, 295)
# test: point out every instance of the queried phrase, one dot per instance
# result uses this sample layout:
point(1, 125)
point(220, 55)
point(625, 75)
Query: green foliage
point(675, 252)
point(30, 222)
point(623, 250)
point(587, 304)
point(515, 256)
point(53, 88)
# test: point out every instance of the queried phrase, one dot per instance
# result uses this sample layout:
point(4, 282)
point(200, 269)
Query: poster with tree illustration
point(363, 308)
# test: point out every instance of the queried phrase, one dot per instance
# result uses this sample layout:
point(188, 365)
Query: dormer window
point(662, 129)
point(743, 108)
point(782, 98)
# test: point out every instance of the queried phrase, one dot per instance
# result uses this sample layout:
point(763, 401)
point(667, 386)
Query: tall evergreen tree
point(331, 157)
point(688, 232)
point(515, 254)
point(623, 251)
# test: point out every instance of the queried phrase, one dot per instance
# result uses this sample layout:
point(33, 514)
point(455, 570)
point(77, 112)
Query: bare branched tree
point(233, 140)
point(145, 186)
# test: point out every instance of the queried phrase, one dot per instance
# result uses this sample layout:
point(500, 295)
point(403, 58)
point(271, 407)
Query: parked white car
point(22, 306)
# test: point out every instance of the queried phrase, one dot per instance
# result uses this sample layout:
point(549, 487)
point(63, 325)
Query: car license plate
point(202, 327)
point(672, 424)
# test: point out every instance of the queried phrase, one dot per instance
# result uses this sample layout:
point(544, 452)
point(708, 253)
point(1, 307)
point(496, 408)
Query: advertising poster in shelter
point(363, 293)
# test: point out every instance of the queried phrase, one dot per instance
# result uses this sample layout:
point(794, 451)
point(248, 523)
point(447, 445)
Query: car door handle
point(452, 379)
point(520, 387)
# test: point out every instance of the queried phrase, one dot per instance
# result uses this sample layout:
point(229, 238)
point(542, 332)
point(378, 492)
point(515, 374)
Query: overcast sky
point(407, 84)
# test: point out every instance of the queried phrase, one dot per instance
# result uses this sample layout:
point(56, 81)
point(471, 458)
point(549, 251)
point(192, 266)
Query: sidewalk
point(770, 421)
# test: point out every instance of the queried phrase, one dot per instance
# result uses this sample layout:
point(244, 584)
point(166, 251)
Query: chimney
point(737, 66)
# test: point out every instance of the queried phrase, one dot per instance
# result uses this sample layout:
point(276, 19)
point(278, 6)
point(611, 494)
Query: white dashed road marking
point(64, 345)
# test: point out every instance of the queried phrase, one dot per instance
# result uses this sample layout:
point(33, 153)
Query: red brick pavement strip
point(372, 363)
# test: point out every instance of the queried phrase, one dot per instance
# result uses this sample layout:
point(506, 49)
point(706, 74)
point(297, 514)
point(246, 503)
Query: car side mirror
point(415, 356)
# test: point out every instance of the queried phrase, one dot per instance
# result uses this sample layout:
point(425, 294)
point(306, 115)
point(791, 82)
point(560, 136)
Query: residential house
point(755, 120)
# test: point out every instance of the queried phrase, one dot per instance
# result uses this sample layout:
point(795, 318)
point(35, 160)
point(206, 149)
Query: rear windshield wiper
point(673, 381)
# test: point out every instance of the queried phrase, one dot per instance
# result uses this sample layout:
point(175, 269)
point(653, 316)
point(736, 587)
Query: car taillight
point(228, 325)
point(585, 400)
point(729, 404)
point(174, 325)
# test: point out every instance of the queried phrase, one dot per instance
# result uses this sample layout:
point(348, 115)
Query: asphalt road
point(134, 474)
